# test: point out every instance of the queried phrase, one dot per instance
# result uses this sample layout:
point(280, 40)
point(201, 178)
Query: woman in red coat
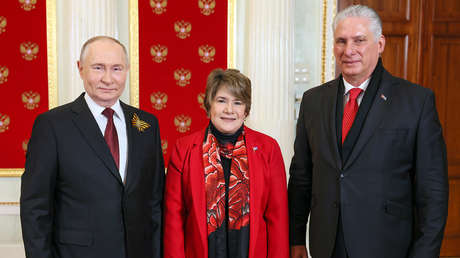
point(226, 191)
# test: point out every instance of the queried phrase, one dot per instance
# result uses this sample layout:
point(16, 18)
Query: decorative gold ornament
point(28, 50)
point(206, 53)
point(25, 144)
point(159, 53)
point(30, 99)
point(164, 146)
point(207, 6)
point(4, 123)
point(182, 77)
point(28, 5)
point(139, 124)
point(201, 100)
point(158, 6)
point(182, 123)
point(158, 100)
point(2, 24)
point(182, 29)
point(3, 74)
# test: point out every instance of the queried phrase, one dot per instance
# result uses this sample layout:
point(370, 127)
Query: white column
point(268, 62)
point(77, 21)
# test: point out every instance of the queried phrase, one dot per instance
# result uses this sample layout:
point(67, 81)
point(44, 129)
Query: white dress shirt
point(348, 87)
point(120, 125)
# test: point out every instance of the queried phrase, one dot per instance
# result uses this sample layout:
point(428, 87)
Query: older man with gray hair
point(370, 159)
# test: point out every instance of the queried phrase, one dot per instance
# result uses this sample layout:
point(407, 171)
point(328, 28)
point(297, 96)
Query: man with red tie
point(94, 172)
point(369, 167)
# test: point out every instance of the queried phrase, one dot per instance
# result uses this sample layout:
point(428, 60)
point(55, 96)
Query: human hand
point(299, 251)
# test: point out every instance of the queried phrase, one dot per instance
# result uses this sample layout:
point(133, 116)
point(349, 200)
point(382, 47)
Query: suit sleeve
point(37, 191)
point(174, 211)
point(157, 199)
point(276, 212)
point(300, 182)
point(431, 184)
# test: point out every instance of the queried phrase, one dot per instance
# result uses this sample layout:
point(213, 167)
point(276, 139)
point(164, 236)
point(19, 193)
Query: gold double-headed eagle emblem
point(3, 74)
point(158, 100)
point(30, 99)
point(159, 53)
point(200, 98)
point(2, 24)
point(4, 122)
point(29, 50)
point(28, 5)
point(206, 53)
point(182, 29)
point(207, 6)
point(158, 6)
point(139, 124)
point(164, 146)
point(182, 76)
point(182, 123)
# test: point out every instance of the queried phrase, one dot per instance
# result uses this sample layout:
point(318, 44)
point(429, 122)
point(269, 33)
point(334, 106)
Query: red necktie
point(349, 112)
point(111, 136)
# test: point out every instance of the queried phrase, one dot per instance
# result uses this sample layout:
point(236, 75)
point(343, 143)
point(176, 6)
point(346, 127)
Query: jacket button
point(336, 204)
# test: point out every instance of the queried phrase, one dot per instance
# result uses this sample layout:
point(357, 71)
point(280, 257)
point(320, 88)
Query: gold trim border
point(323, 43)
point(9, 203)
point(134, 52)
point(52, 72)
point(231, 23)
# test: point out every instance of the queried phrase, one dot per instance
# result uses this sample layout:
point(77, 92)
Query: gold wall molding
point(231, 23)
point(11, 172)
point(323, 43)
point(134, 53)
point(9, 203)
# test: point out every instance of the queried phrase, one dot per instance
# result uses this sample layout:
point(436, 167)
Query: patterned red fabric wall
point(23, 75)
point(180, 43)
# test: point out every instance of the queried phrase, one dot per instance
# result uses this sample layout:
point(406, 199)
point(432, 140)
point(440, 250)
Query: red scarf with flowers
point(238, 188)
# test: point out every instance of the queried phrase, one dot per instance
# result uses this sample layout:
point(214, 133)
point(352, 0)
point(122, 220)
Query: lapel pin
point(255, 148)
point(139, 124)
point(383, 97)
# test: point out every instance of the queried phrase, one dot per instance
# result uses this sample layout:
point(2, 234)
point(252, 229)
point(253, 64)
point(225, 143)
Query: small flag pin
point(383, 97)
point(255, 148)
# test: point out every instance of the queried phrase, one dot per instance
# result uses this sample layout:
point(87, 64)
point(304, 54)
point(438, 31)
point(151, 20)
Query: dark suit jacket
point(73, 201)
point(392, 189)
point(186, 232)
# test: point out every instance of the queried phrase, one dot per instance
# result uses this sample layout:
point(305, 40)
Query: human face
point(227, 112)
point(356, 50)
point(103, 70)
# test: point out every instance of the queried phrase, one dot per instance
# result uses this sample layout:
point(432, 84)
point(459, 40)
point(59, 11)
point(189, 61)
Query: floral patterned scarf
point(238, 188)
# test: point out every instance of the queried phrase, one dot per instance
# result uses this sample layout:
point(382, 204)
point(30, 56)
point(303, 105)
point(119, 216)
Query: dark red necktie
point(349, 112)
point(111, 136)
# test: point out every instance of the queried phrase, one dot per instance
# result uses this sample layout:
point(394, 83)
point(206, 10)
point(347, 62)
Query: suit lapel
point(329, 105)
point(90, 131)
point(374, 118)
point(131, 171)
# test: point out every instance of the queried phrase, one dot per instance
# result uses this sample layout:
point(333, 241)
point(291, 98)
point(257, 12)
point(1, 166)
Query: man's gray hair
point(361, 11)
point(98, 38)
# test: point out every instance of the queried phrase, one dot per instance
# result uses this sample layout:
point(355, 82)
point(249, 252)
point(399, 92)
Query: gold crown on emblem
point(28, 5)
point(159, 53)
point(2, 24)
point(182, 77)
point(139, 124)
point(206, 53)
point(182, 123)
point(207, 6)
point(30, 99)
point(28, 50)
point(158, 100)
point(158, 6)
point(182, 29)
point(4, 123)
point(3, 74)
point(164, 146)
point(200, 98)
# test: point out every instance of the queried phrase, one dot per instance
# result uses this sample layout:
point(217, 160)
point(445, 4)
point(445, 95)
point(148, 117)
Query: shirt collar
point(348, 86)
point(96, 109)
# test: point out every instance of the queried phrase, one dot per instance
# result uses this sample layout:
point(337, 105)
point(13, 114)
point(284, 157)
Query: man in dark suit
point(94, 172)
point(370, 160)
